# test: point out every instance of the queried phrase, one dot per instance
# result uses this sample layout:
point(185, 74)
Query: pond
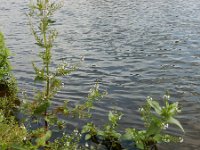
point(134, 48)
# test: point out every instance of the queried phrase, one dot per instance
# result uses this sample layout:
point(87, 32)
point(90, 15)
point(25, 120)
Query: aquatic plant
point(108, 136)
point(156, 120)
point(40, 17)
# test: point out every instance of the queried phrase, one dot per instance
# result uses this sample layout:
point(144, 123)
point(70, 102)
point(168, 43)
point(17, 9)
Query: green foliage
point(108, 136)
point(4, 63)
point(93, 95)
point(41, 12)
point(67, 142)
point(11, 133)
point(41, 136)
point(156, 121)
point(8, 88)
point(46, 117)
point(41, 121)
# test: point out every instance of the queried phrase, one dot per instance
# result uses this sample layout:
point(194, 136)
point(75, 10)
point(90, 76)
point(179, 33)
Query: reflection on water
point(135, 48)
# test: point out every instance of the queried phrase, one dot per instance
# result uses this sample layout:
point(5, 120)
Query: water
point(135, 48)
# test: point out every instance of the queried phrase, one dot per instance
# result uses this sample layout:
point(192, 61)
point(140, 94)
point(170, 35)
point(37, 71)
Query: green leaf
point(158, 137)
point(154, 128)
point(87, 137)
point(64, 69)
point(110, 116)
point(100, 133)
point(130, 134)
point(176, 122)
point(127, 136)
point(116, 134)
point(41, 108)
point(40, 44)
point(173, 108)
point(39, 79)
point(51, 21)
point(155, 105)
point(140, 145)
point(42, 140)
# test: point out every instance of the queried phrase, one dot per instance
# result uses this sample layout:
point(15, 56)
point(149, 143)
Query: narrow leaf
point(176, 122)
point(87, 137)
point(155, 105)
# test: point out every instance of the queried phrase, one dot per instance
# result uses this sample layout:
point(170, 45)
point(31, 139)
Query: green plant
point(8, 88)
point(156, 120)
point(39, 111)
point(11, 133)
point(108, 136)
point(41, 119)
point(4, 63)
point(45, 36)
point(6, 78)
point(67, 142)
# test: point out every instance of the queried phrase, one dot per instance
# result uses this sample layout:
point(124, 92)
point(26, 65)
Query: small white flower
point(141, 109)
point(180, 139)
point(164, 126)
point(76, 132)
point(178, 110)
point(167, 97)
point(86, 144)
point(167, 140)
point(63, 84)
point(82, 58)
point(50, 76)
point(45, 12)
point(149, 98)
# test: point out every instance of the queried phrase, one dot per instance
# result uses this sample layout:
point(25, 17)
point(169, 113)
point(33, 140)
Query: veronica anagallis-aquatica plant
point(156, 120)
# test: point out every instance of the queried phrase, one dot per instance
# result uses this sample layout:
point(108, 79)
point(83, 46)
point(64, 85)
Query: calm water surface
point(135, 48)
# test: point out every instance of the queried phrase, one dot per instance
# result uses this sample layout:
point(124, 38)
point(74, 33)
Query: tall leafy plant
point(41, 11)
point(41, 21)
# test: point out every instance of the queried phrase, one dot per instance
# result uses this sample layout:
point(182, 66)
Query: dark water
point(135, 48)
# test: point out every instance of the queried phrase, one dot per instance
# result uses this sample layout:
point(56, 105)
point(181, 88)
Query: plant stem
point(47, 53)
